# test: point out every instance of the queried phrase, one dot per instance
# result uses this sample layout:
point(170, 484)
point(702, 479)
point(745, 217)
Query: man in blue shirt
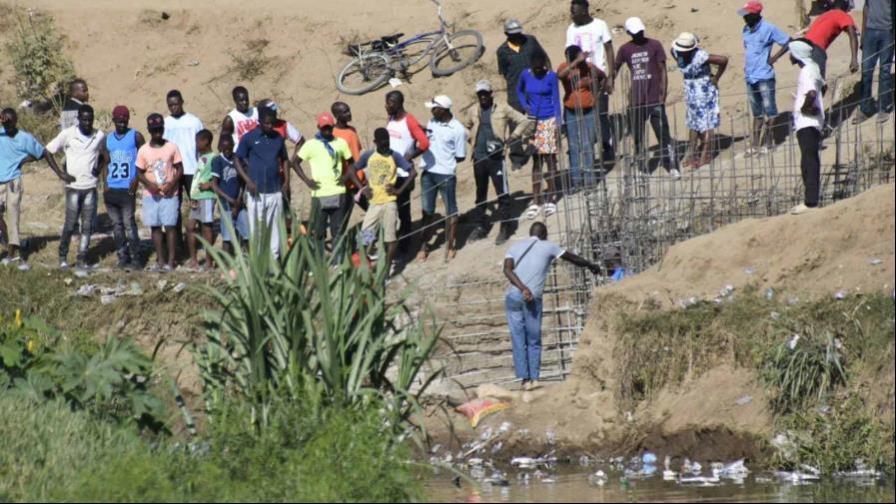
point(16, 148)
point(260, 159)
point(759, 38)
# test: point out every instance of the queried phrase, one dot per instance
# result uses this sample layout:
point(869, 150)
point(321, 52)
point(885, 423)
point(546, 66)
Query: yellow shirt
point(326, 169)
point(381, 171)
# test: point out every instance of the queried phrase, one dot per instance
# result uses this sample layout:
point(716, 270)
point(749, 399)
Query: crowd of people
point(184, 174)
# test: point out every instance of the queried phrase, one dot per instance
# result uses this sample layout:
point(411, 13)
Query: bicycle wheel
point(462, 50)
point(413, 55)
point(364, 74)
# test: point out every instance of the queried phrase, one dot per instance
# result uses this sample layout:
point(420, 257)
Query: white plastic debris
point(699, 480)
point(179, 288)
point(86, 290)
point(107, 299)
point(840, 295)
point(668, 474)
point(688, 467)
point(743, 401)
point(599, 478)
point(736, 470)
point(793, 342)
point(875, 262)
point(395, 82)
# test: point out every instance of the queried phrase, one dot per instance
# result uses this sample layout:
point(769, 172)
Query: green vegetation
point(53, 453)
point(37, 52)
point(814, 357)
point(110, 380)
point(313, 328)
point(308, 374)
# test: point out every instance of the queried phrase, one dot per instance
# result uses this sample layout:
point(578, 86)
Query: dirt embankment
point(847, 247)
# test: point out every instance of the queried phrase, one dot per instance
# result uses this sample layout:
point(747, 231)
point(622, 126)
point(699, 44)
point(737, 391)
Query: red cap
point(325, 119)
point(121, 112)
point(751, 7)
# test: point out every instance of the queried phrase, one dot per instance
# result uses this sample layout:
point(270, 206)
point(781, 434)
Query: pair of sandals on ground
point(548, 209)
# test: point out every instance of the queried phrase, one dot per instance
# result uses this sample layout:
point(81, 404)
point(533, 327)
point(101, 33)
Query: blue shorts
point(762, 98)
point(445, 185)
point(241, 225)
point(160, 212)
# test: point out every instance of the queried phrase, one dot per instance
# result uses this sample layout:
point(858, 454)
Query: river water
point(572, 485)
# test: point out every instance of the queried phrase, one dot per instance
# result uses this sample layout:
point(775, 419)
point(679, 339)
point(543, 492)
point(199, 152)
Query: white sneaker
point(800, 209)
point(675, 174)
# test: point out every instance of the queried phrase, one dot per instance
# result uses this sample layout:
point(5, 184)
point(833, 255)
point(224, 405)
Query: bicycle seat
point(379, 44)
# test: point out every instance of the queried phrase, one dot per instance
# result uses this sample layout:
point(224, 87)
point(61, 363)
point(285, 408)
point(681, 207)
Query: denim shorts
point(203, 211)
point(240, 225)
point(762, 98)
point(159, 211)
point(445, 185)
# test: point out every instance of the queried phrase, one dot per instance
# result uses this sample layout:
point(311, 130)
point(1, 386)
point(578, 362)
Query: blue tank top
point(122, 159)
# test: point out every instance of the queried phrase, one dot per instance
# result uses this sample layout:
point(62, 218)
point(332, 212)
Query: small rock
point(68, 281)
point(875, 262)
point(193, 63)
point(694, 9)
point(161, 284)
point(743, 401)
point(166, 16)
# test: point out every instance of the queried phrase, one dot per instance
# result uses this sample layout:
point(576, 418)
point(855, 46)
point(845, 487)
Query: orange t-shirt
point(350, 135)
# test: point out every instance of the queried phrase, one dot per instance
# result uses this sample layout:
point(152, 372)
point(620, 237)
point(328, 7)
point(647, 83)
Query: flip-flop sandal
point(550, 209)
point(533, 211)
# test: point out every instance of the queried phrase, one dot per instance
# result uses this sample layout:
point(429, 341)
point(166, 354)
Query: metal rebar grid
point(628, 217)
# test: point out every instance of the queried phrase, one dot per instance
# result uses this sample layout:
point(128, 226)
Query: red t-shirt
point(826, 28)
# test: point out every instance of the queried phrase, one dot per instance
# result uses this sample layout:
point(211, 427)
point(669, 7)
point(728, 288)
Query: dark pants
point(606, 129)
point(324, 218)
point(656, 114)
point(79, 204)
point(877, 45)
point(517, 151)
point(404, 215)
point(810, 163)
point(483, 171)
point(121, 207)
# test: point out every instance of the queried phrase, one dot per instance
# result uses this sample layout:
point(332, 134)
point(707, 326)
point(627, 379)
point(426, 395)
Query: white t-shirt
point(591, 38)
point(809, 79)
point(447, 142)
point(182, 131)
point(81, 154)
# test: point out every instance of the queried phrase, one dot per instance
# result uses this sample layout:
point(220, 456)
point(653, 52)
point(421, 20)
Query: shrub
point(37, 52)
point(110, 380)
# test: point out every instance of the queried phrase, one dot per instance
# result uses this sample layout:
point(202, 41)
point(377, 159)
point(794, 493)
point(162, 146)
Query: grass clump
point(53, 453)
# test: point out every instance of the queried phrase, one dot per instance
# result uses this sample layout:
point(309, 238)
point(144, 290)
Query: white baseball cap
point(440, 101)
point(634, 25)
point(483, 85)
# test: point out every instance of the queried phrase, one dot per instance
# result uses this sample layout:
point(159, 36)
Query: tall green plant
point(314, 328)
point(37, 52)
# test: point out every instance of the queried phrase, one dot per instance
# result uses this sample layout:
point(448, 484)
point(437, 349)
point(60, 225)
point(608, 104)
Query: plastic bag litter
point(477, 409)
point(736, 470)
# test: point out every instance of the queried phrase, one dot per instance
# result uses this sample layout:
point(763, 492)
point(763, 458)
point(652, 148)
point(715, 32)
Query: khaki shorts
point(11, 205)
point(385, 216)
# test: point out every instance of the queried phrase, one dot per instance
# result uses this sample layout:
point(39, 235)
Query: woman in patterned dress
point(701, 89)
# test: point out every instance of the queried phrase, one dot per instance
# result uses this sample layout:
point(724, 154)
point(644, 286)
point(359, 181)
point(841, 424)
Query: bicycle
point(377, 61)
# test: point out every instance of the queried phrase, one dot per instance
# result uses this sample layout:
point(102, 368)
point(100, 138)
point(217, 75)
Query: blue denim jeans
point(877, 45)
point(524, 320)
point(581, 133)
